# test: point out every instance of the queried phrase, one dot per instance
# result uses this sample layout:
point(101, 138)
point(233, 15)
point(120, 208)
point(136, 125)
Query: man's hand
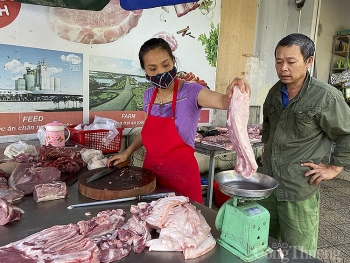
point(320, 172)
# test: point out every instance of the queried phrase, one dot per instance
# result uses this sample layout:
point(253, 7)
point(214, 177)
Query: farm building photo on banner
point(80, 64)
point(41, 81)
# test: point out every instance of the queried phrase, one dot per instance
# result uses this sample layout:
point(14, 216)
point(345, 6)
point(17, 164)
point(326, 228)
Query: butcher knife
point(140, 197)
point(107, 171)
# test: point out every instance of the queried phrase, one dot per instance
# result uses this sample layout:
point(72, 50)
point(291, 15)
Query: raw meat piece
point(203, 248)
point(183, 9)
point(65, 160)
point(168, 38)
point(51, 153)
point(10, 194)
point(25, 158)
point(26, 176)
point(198, 138)
point(3, 182)
point(137, 226)
point(3, 174)
point(161, 210)
point(237, 122)
point(157, 245)
point(254, 133)
point(105, 222)
point(59, 244)
point(3, 179)
point(141, 210)
point(9, 213)
point(221, 141)
point(93, 158)
point(185, 229)
point(113, 254)
point(97, 163)
point(49, 191)
point(88, 154)
point(64, 164)
point(125, 234)
point(141, 233)
point(223, 130)
point(93, 27)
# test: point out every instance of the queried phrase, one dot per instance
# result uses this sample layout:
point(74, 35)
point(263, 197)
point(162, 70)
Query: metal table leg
point(210, 181)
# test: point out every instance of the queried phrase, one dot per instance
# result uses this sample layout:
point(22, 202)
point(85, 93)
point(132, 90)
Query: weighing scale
point(244, 224)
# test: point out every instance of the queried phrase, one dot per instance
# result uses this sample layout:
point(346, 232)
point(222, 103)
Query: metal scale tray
point(257, 186)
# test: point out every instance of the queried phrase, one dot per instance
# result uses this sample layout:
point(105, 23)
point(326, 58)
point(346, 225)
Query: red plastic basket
point(92, 139)
point(220, 197)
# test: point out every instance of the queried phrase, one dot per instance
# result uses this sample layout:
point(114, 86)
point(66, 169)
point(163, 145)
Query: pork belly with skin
point(182, 228)
point(59, 244)
point(237, 122)
point(161, 210)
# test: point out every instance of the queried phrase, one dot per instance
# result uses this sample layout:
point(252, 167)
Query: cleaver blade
point(107, 171)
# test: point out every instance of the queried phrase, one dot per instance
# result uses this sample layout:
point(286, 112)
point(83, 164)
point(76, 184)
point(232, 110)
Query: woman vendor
point(173, 107)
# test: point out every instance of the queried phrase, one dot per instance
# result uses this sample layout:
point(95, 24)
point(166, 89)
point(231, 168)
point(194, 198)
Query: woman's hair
point(307, 46)
point(152, 44)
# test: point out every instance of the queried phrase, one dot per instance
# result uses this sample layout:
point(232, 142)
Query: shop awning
point(97, 5)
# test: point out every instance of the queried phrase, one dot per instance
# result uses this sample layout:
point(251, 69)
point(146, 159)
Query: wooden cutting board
point(129, 181)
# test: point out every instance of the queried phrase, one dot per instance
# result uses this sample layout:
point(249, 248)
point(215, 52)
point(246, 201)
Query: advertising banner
point(71, 65)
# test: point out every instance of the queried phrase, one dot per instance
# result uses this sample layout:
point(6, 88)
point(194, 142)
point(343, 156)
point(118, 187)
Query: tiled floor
point(334, 229)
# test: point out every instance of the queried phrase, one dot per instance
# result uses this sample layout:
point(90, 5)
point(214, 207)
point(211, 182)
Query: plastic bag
point(41, 133)
point(19, 147)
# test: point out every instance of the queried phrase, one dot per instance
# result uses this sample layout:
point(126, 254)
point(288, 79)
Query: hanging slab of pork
point(237, 122)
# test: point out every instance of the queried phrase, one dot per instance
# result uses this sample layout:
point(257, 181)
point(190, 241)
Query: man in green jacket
point(302, 117)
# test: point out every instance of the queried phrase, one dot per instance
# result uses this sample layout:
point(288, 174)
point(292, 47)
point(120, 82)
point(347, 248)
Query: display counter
point(39, 216)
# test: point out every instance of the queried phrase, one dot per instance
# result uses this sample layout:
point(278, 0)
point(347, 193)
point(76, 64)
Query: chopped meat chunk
point(49, 191)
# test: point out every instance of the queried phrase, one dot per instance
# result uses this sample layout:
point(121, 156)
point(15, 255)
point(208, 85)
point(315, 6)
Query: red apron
point(168, 156)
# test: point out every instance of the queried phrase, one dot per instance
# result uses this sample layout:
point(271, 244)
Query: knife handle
point(154, 196)
point(123, 164)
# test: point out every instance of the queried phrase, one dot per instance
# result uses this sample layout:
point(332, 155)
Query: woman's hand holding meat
point(216, 100)
point(320, 172)
point(122, 157)
point(241, 83)
point(117, 158)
